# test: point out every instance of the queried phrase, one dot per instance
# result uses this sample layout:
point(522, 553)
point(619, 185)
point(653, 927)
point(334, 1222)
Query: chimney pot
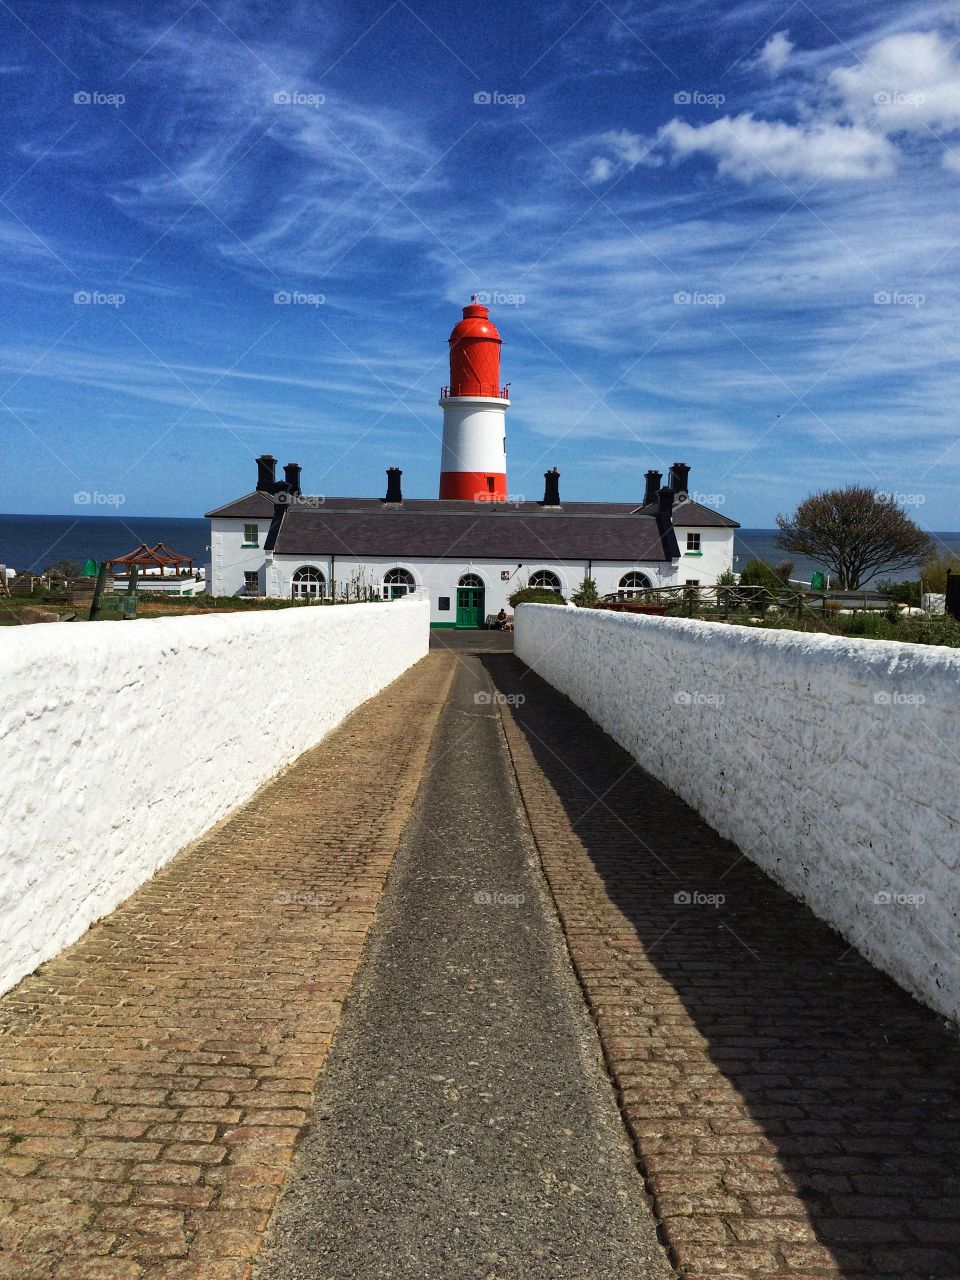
point(653, 487)
point(291, 475)
point(551, 488)
point(394, 492)
point(266, 473)
point(678, 479)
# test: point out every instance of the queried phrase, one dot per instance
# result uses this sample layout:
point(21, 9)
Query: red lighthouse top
point(475, 355)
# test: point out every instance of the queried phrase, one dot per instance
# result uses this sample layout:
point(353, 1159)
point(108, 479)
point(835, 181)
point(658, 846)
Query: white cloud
point(601, 169)
point(628, 149)
point(624, 150)
point(334, 165)
point(746, 148)
point(951, 161)
point(845, 122)
point(908, 82)
point(775, 54)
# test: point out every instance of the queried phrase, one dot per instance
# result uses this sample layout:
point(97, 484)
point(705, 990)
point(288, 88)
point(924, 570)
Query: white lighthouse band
point(473, 463)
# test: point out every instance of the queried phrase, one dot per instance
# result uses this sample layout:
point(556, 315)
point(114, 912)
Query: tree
point(934, 571)
point(854, 533)
point(586, 594)
point(66, 569)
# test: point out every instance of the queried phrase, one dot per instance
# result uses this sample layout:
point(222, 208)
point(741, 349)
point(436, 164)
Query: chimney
point(551, 488)
point(678, 479)
point(653, 487)
point(291, 474)
point(664, 519)
point(266, 473)
point(394, 492)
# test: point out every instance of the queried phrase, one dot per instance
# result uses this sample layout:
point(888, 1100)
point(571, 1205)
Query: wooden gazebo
point(144, 558)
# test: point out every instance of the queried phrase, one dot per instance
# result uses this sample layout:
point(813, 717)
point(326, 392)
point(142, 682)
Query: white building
point(468, 552)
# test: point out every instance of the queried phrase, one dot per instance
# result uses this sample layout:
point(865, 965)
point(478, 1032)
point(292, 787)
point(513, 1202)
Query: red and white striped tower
point(473, 463)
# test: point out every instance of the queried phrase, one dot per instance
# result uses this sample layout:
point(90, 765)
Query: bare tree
point(855, 533)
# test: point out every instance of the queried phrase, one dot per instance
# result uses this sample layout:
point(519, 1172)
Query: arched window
point(470, 580)
point(545, 580)
point(398, 582)
point(633, 582)
point(308, 583)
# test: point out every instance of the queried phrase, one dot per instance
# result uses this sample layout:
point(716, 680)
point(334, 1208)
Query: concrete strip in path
point(155, 1077)
point(465, 1126)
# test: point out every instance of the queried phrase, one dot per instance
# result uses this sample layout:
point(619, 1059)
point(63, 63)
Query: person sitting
point(500, 621)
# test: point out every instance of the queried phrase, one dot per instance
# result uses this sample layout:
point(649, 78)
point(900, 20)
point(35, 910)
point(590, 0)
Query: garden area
point(63, 593)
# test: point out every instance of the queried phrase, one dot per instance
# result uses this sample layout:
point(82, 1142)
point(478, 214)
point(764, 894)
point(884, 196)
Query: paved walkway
point(466, 1126)
point(792, 1113)
point(155, 1077)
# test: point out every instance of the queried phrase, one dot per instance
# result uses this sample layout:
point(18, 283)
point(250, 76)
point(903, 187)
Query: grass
point(865, 626)
point(155, 605)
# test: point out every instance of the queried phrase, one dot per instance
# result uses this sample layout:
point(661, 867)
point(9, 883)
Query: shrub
point(758, 573)
point(873, 626)
point(586, 594)
point(945, 631)
point(65, 569)
point(535, 595)
point(901, 592)
point(785, 571)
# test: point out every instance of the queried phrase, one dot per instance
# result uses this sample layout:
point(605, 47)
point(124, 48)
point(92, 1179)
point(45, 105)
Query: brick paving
point(155, 1077)
point(794, 1113)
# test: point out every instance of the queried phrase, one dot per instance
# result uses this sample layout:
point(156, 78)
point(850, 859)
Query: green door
point(470, 607)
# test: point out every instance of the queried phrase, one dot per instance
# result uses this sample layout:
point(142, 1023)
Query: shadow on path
point(794, 1110)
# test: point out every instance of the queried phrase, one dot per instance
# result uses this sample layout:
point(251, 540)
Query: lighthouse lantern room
point(473, 463)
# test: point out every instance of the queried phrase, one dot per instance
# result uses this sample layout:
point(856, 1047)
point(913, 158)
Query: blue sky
point(722, 233)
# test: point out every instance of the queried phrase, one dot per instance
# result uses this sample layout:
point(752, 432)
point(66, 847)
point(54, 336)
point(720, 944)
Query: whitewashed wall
point(122, 742)
point(716, 553)
point(833, 764)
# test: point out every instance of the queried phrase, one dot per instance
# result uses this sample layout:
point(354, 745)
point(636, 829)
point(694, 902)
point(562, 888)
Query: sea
point(31, 543)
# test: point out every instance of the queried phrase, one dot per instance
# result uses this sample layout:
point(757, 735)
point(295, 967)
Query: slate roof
point(252, 506)
point(260, 506)
point(484, 533)
point(438, 528)
point(693, 515)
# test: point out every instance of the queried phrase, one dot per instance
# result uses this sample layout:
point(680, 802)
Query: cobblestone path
point(794, 1112)
point(155, 1076)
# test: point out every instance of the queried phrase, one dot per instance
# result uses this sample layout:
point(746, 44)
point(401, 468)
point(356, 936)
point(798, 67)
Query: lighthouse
point(473, 463)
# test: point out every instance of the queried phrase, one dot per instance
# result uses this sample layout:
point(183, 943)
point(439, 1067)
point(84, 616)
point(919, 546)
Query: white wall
point(122, 742)
point(831, 763)
point(439, 578)
point(229, 560)
point(716, 553)
point(231, 556)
